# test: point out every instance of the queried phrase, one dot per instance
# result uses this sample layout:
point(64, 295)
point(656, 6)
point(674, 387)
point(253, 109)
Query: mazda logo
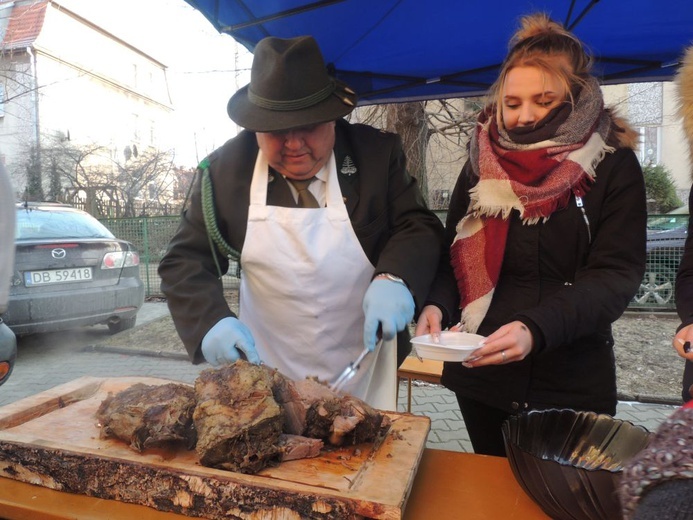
point(58, 253)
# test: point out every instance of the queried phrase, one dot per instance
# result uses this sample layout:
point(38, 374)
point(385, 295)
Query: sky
point(204, 67)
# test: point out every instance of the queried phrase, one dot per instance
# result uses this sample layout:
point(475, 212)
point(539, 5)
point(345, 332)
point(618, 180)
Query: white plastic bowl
point(453, 346)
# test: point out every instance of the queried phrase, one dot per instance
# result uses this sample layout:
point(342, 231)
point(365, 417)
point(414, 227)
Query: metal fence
point(150, 236)
point(666, 238)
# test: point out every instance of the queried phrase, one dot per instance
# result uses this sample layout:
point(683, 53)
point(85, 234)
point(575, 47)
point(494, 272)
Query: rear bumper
point(54, 311)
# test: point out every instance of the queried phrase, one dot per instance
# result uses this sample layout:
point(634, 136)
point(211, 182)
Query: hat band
point(294, 104)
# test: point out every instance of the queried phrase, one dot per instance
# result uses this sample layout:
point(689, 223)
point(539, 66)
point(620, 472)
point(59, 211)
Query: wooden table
point(448, 485)
point(452, 485)
point(421, 369)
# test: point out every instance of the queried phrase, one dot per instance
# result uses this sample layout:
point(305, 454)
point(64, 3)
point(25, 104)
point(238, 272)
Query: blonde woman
point(546, 229)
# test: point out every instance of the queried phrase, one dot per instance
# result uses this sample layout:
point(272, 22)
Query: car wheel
point(657, 286)
point(122, 324)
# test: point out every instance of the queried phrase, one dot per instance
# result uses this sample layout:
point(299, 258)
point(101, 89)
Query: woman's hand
point(429, 321)
point(511, 342)
point(683, 342)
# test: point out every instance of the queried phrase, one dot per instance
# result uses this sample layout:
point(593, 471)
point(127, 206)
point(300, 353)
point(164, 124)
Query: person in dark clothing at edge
point(658, 482)
point(684, 276)
point(547, 233)
point(323, 268)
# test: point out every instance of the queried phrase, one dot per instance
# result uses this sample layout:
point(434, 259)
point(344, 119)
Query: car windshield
point(34, 223)
point(666, 222)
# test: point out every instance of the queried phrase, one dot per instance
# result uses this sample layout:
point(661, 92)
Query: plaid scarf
point(533, 171)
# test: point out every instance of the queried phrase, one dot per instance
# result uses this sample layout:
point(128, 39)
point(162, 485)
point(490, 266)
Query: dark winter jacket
point(684, 276)
point(398, 234)
point(568, 281)
point(684, 297)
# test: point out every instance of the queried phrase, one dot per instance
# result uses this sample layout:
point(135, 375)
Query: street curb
point(134, 352)
point(650, 399)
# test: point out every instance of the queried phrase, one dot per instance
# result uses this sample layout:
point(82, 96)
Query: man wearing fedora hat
point(334, 240)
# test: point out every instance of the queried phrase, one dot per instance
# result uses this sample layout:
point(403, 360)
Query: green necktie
point(305, 197)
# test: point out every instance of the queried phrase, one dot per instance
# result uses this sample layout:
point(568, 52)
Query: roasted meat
point(294, 447)
point(238, 422)
point(149, 415)
point(311, 409)
point(242, 417)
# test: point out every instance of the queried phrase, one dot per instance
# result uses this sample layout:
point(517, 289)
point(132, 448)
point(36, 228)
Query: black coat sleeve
point(684, 275)
point(412, 234)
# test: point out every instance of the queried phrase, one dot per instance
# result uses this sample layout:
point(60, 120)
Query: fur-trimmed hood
point(624, 134)
point(684, 85)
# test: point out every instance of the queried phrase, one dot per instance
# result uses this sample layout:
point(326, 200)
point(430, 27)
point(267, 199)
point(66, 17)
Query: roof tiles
point(25, 23)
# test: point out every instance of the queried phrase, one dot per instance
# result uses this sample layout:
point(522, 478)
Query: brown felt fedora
point(289, 87)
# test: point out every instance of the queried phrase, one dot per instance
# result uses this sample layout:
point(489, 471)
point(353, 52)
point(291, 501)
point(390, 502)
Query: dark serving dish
point(569, 462)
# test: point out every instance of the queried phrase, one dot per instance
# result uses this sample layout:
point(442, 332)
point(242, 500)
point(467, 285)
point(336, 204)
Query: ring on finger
point(502, 353)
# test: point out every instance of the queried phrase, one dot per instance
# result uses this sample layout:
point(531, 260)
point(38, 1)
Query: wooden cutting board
point(52, 440)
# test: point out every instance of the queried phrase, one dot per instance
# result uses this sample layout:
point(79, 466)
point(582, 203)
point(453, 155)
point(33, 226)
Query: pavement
point(40, 369)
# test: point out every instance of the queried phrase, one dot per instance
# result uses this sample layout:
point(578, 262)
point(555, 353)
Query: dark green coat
point(398, 233)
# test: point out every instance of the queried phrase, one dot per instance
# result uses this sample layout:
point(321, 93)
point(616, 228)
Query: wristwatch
point(392, 277)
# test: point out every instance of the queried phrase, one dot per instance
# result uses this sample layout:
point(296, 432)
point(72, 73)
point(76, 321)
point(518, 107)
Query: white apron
point(303, 278)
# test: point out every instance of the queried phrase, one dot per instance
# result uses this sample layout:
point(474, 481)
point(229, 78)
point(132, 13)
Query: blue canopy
point(401, 50)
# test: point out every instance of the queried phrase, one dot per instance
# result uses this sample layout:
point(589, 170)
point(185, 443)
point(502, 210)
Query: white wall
point(204, 68)
point(99, 88)
point(17, 126)
point(93, 87)
point(674, 145)
point(659, 112)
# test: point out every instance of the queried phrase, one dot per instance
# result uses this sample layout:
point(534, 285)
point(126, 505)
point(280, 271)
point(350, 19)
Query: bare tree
point(182, 179)
point(34, 185)
point(72, 164)
point(89, 175)
point(145, 178)
point(434, 136)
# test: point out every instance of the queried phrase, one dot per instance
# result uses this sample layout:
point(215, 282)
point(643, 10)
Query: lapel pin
point(348, 167)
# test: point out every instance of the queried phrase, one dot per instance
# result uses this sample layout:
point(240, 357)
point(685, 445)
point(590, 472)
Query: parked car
point(70, 271)
point(666, 238)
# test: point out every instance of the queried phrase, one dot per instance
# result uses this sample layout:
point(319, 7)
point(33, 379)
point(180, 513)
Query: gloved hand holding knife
point(388, 304)
point(226, 340)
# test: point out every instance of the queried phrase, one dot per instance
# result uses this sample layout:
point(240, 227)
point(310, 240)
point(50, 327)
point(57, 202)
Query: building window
point(646, 113)
point(649, 145)
point(2, 100)
point(135, 125)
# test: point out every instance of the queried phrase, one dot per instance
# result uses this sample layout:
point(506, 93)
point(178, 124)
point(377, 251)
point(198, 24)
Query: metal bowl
point(570, 462)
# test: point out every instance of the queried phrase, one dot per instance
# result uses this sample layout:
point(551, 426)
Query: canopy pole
point(586, 10)
point(230, 29)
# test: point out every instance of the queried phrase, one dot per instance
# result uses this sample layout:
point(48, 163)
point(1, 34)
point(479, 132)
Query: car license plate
point(53, 276)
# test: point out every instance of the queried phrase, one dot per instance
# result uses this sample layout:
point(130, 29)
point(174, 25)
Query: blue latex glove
point(223, 343)
point(389, 305)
